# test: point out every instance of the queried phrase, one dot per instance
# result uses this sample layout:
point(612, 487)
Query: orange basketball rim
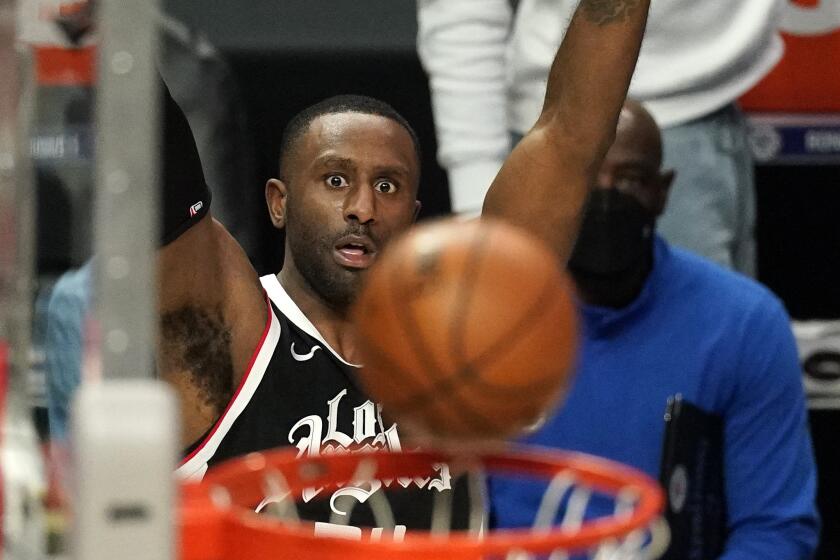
point(218, 521)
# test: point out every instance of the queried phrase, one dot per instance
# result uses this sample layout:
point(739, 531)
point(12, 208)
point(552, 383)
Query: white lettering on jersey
point(312, 440)
point(355, 533)
point(304, 357)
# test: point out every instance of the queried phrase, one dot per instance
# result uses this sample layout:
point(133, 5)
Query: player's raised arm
point(544, 183)
point(212, 310)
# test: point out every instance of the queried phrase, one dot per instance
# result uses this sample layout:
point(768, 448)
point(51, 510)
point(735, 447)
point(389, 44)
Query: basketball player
point(657, 322)
point(261, 363)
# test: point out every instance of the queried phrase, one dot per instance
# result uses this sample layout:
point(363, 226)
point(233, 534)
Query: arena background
point(368, 47)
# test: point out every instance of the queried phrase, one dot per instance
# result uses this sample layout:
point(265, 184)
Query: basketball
point(467, 330)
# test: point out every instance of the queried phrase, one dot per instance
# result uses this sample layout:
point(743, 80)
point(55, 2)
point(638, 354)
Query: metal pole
point(125, 430)
point(126, 217)
point(21, 475)
point(17, 212)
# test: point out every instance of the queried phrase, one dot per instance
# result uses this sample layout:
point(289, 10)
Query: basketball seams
point(535, 389)
point(408, 322)
point(424, 398)
point(476, 253)
point(418, 346)
point(435, 354)
point(507, 342)
point(457, 324)
point(468, 371)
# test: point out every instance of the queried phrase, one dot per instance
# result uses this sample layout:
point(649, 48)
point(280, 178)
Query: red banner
point(58, 66)
point(807, 79)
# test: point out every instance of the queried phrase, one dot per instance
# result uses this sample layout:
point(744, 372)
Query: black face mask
point(614, 251)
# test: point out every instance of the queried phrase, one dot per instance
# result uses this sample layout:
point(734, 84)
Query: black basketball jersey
point(299, 392)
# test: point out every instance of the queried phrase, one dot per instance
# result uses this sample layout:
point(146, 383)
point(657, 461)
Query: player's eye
point(385, 187)
point(336, 181)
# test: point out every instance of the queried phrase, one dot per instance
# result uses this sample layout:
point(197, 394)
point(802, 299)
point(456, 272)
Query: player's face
point(353, 188)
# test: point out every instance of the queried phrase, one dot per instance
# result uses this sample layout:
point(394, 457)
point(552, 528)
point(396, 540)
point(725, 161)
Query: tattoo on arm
point(605, 12)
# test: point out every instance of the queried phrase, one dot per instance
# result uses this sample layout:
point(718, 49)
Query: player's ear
point(417, 207)
point(666, 179)
point(276, 196)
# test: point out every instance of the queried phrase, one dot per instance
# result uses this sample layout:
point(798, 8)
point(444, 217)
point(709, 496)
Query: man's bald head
point(633, 163)
point(637, 127)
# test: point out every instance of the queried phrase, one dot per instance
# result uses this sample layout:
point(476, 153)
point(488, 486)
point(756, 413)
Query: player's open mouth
point(355, 251)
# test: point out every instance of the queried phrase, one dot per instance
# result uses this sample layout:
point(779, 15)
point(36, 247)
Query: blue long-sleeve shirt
point(723, 342)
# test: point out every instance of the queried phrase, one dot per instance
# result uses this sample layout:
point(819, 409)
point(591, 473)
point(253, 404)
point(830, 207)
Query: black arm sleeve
point(186, 196)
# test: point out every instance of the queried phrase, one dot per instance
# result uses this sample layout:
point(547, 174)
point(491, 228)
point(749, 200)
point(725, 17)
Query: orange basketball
point(467, 330)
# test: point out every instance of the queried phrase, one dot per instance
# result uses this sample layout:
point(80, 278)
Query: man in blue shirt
point(656, 322)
